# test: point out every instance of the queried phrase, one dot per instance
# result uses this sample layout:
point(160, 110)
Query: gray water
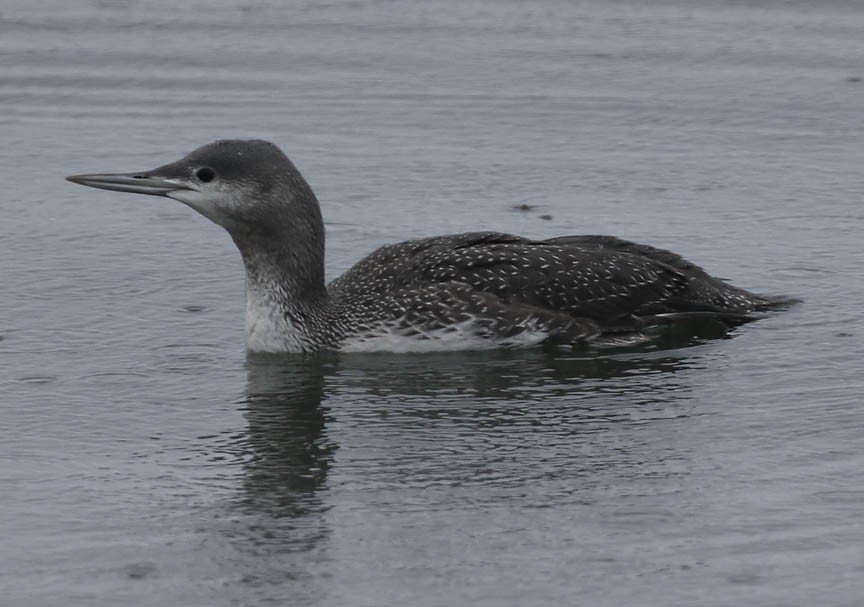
point(146, 460)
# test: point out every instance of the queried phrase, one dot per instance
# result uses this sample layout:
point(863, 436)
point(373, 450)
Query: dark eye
point(205, 174)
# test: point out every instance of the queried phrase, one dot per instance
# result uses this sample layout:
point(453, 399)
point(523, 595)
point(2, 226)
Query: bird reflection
point(290, 453)
point(517, 374)
point(276, 525)
point(431, 431)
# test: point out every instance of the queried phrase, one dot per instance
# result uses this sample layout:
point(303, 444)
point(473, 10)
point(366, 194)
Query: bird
point(466, 291)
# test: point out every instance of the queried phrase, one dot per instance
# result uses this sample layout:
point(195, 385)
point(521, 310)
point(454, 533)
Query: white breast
point(268, 329)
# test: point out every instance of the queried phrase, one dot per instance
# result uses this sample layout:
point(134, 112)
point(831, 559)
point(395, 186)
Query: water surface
point(146, 460)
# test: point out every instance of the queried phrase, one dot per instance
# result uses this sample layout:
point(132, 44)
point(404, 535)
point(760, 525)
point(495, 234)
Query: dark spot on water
point(113, 3)
point(173, 215)
point(745, 577)
point(138, 571)
point(546, 217)
point(193, 308)
point(840, 497)
point(524, 207)
point(36, 379)
point(855, 79)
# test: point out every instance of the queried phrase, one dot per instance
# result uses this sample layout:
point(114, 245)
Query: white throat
point(268, 327)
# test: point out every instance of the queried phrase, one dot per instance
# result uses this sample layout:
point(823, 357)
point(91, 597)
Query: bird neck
point(285, 292)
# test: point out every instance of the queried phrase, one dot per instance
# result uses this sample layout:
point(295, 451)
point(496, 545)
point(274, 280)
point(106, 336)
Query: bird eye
point(205, 174)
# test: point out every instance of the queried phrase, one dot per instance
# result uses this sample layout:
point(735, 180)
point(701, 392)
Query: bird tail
point(771, 302)
point(668, 318)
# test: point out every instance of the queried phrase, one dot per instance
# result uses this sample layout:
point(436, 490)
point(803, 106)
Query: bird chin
point(202, 202)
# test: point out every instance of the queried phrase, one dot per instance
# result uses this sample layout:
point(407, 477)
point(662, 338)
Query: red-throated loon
point(461, 291)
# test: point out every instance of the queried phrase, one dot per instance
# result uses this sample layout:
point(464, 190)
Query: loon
point(474, 290)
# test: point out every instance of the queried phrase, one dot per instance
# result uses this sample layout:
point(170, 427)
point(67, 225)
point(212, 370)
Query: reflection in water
point(509, 375)
point(277, 530)
point(434, 433)
point(397, 409)
point(289, 451)
point(531, 373)
point(499, 424)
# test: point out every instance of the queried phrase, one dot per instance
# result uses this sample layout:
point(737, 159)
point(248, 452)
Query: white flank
point(391, 337)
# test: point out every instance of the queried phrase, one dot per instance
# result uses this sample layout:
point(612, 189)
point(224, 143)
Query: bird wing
point(613, 243)
point(607, 279)
point(703, 292)
point(389, 267)
point(591, 282)
point(444, 306)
